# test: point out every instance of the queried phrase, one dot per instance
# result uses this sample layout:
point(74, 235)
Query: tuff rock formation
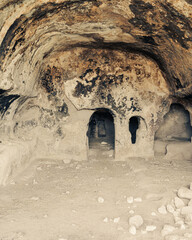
point(60, 61)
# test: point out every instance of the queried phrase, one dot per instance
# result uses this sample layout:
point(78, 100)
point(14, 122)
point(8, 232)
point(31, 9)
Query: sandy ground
point(88, 200)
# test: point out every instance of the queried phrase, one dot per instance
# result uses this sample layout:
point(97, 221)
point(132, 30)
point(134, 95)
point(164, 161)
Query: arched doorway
point(175, 129)
point(101, 134)
point(176, 125)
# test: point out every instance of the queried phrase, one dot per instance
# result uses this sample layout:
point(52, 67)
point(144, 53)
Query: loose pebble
point(179, 203)
point(100, 200)
point(116, 220)
point(131, 212)
point(150, 228)
point(136, 221)
point(179, 222)
point(34, 182)
point(177, 219)
point(162, 210)
point(188, 219)
point(167, 229)
point(106, 220)
point(186, 210)
point(182, 227)
point(34, 198)
point(66, 161)
point(133, 230)
point(153, 214)
point(177, 213)
point(78, 166)
point(184, 192)
point(137, 199)
point(170, 208)
point(130, 199)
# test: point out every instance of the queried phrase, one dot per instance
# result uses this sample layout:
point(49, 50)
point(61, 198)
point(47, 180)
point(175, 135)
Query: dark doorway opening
point(133, 126)
point(101, 132)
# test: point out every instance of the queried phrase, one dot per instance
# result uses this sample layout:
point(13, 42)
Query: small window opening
point(133, 126)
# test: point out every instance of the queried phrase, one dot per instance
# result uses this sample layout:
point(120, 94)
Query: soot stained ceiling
point(33, 31)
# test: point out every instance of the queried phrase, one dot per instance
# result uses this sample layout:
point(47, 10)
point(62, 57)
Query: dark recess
point(46, 81)
point(101, 129)
point(2, 91)
point(178, 83)
point(5, 102)
point(148, 39)
point(140, 8)
point(63, 109)
point(176, 34)
point(133, 126)
point(178, 130)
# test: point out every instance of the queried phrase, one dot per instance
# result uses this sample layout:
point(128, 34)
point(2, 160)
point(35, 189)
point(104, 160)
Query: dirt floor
point(92, 200)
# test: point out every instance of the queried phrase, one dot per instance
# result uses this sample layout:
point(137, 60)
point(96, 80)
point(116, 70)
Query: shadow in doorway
point(101, 135)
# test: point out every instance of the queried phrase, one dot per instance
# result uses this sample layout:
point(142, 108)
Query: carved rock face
point(157, 29)
point(60, 58)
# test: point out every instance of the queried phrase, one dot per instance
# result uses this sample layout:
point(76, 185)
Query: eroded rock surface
point(62, 60)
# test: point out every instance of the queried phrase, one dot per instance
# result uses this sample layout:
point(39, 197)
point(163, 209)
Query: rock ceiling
point(32, 32)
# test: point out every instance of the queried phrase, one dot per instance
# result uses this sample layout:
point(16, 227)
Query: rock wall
point(62, 60)
point(78, 81)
